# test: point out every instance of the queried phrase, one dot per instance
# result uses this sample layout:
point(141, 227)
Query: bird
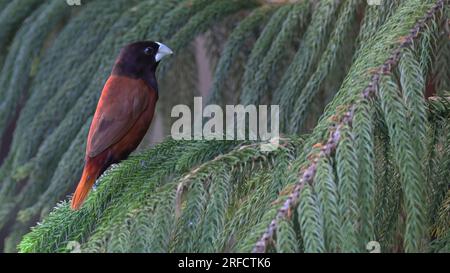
point(124, 112)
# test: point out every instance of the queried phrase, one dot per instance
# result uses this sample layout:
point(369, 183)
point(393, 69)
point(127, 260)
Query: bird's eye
point(148, 51)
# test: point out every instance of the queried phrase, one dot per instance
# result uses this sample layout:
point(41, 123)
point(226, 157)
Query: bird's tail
point(87, 180)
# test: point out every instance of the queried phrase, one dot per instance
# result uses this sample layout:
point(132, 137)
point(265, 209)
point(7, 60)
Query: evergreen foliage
point(364, 155)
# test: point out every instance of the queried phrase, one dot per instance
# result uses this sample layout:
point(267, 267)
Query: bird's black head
point(139, 60)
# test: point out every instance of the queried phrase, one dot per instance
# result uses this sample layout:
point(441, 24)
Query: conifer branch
point(328, 148)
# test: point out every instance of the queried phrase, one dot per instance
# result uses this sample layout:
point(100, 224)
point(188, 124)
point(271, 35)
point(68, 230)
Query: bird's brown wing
point(122, 102)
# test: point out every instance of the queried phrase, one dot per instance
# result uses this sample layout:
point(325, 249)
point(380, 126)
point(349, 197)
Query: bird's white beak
point(162, 51)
